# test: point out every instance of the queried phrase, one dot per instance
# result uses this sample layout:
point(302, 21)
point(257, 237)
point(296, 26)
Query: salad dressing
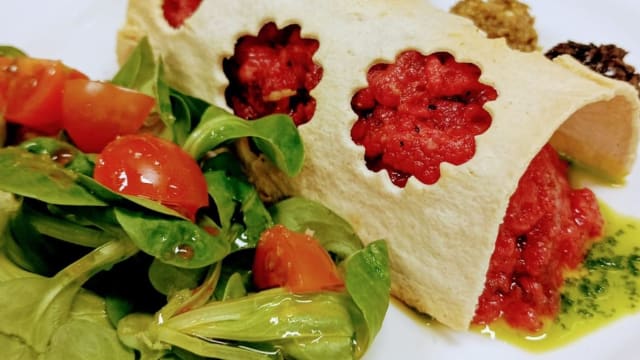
point(605, 289)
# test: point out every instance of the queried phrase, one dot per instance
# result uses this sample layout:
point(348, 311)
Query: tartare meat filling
point(272, 73)
point(419, 112)
point(547, 230)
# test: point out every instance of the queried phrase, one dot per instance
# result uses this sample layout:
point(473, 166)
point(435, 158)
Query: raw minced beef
point(419, 112)
point(273, 72)
point(547, 231)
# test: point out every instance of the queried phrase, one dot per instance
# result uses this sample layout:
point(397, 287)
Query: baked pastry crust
point(440, 236)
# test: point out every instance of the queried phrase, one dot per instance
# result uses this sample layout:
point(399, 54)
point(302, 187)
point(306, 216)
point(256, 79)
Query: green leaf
point(68, 231)
point(234, 287)
point(87, 321)
point(14, 349)
point(333, 232)
point(189, 299)
point(143, 72)
point(62, 153)
point(79, 339)
point(9, 270)
point(187, 111)
point(268, 316)
point(31, 250)
point(232, 194)
point(38, 177)
point(167, 279)
point(369, 283)
point(272, 316)
point(117, 307)
point(173, 241)
point(45, 303)
point(132, 331)
point(10, 51)
point(275, 135)
point(140, 71)
point(9, 206)
point(112, 197)
point(90, 307)
point(216, 350)
point(222, 190)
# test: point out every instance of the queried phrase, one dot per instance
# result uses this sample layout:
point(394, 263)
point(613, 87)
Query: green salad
point(90, 272)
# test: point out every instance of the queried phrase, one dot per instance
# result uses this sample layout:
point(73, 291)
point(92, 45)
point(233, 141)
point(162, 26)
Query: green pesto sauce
point(606, 288)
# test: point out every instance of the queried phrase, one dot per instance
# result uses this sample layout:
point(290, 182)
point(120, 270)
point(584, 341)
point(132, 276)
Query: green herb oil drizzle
point(606, 288)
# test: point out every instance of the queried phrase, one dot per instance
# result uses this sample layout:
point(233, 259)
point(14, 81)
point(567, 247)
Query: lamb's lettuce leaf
point(11, 51)
point(174, 241)
point(45, 304)
point(36, 176)
point(275, 135)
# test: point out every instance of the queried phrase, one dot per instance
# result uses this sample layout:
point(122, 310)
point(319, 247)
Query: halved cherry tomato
point(5, 77)
point(94, 113)
point(34, 93)
point(147, 166)
point(293, 260)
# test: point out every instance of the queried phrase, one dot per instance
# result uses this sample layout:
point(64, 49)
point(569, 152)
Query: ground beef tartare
point(419, 112)
point(547, 230)
point(273, 72)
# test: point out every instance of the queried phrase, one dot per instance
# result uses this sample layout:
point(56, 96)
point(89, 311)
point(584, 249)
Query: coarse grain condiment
point(509, 19)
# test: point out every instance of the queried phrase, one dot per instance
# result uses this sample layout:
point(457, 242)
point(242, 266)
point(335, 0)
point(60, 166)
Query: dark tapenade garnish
point(607, 60)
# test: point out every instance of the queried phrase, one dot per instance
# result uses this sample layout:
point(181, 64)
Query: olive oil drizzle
point(604, 289)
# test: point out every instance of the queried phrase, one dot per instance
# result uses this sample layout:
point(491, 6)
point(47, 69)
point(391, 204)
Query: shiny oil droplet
point(184, 251)
point(62, 156)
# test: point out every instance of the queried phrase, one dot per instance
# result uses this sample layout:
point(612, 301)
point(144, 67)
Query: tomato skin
point(5, 77)
point(95, 113)
point(34, 93)
point(295, 261)
point(154, 168)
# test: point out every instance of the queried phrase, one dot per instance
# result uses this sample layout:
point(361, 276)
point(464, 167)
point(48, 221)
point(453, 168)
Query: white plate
point(82, 34)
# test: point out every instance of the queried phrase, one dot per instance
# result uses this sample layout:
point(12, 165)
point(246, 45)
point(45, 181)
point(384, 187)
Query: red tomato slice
point(34, 93)
point(95, 113)
point(295, 261)
point(5, 77)
point(147, 166)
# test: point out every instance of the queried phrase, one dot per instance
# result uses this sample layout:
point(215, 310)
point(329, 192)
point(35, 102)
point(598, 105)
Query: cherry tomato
point(293, 260)
point(33, 95)
point(5, 77)
point(94, 113)
point(154, 168)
